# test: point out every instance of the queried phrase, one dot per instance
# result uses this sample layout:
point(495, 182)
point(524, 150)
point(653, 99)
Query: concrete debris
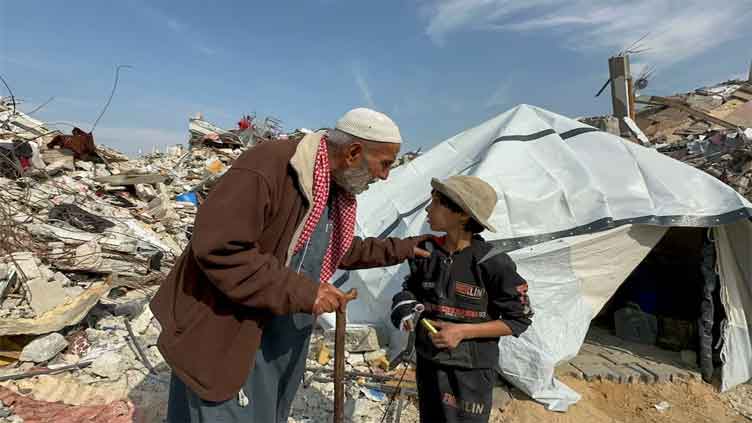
point(662, 406)
point(109, 365)
point(88, 233)
point(44, 296)
point(358, 338)
point(375, 356)
point(43, 349)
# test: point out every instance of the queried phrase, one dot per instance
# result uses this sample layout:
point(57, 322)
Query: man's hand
point(330, 299)
point(449, 335)
point(417, 251)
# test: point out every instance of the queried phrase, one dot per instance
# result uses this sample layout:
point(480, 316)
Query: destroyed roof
point(674, 119)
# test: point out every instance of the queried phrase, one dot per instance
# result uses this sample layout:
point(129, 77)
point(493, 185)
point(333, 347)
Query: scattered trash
point(662, 406)
point(324, 354)
point(79, 142)
point(188, 197)
point(373, 394)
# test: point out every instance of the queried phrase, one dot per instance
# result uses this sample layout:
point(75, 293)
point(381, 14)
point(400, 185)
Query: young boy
point(469, 299)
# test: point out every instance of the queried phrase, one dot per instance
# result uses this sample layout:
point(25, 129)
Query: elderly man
point(238, 309)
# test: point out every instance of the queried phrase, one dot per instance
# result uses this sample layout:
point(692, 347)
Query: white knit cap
point(370, 125)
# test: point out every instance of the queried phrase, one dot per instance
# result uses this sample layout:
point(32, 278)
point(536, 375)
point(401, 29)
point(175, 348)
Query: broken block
point(44, 348)
point(109, 365)
point(26, 263)
point(44, 296)
point(358, 338)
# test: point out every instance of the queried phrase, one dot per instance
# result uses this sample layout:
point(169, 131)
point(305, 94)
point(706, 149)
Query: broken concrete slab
point(142, 322)
point(356, 359)
point(44, 296)
point(131, 179)
point(375, 356)
point(62, 279)
point(110, 365)
point(358, 338)
point(145, 192)
point(64, 315)
point(87, 166)
point(58, 160)
point(25, 262)
point(44, 348)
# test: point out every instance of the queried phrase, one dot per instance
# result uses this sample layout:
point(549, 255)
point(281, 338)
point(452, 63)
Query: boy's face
point(440, 218)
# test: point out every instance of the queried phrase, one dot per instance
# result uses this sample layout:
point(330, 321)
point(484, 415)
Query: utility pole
point(622, 92)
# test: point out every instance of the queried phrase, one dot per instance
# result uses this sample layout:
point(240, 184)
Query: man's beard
point(354, 181)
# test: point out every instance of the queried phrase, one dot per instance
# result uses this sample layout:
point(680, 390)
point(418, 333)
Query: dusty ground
point(602, 402)
point(605, 402)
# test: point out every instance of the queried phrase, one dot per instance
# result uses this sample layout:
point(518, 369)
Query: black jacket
point(467, 287)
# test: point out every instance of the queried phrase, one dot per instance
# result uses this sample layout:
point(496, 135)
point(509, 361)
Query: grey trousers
point(280, 361)
point(269, 389)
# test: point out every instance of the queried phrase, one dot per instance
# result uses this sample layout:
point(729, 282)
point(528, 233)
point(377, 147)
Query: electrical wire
point(112, 94)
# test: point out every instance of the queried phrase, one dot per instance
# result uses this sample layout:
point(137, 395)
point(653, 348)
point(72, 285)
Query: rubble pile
point(708, 129)
point(693, 116)
point(373, 390)
point(87, 236)
point(727, 155)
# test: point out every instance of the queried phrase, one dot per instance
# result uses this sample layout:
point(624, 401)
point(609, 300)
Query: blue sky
point(437, 67)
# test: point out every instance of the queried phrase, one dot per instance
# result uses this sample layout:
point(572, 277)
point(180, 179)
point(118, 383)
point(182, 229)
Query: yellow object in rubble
point(428, 325)
point(324, 354)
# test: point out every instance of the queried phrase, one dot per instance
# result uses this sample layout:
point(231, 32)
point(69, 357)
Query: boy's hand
point(449, 335)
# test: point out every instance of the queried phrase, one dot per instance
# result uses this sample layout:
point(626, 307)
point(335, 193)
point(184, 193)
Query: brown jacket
point(233, 276)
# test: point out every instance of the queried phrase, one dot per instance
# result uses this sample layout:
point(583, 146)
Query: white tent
point(578, 210)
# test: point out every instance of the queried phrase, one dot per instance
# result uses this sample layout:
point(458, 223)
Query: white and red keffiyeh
point(342, 214)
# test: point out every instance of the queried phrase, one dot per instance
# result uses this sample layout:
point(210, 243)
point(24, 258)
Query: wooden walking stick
point(339, 361)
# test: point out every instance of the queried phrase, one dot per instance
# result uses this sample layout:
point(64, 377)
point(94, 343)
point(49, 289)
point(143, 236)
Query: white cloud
point(677, 30)
point(500, 96)
point(362, 84)
point(177, 27)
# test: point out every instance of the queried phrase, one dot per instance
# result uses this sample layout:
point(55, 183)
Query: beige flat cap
point(476, 197)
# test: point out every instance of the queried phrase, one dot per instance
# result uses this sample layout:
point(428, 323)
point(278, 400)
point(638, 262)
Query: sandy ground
point(606, 402)
point(602, 402)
